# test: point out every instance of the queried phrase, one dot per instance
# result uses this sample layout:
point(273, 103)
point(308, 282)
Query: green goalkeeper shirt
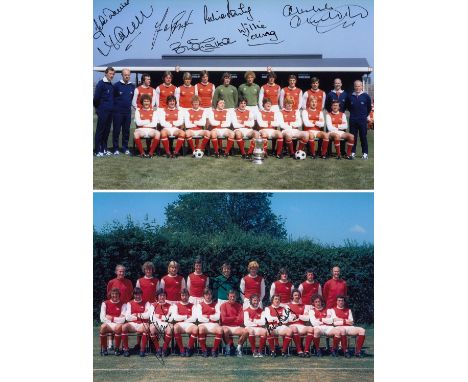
point(250, 93)
point(228, 94)
point(221, 286)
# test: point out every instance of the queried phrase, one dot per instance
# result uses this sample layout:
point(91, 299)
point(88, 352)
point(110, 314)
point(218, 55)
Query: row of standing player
point(224, 320)
point(113, 102)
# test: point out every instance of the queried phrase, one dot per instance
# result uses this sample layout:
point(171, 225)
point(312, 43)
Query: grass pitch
point(196, 368)
point(208, 173)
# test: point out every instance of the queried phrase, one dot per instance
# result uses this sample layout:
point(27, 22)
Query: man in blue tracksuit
point(103, 102)
point(123, 96)
point(359, 105)
point(337, 94)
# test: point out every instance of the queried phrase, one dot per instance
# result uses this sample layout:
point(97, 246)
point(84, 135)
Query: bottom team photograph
point(233, 286)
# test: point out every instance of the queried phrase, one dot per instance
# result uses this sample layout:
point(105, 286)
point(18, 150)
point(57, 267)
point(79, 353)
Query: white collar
point(106, 80)
point(358, 94)
point(152, 277)
point(334, 91)
point(126, 83)
point(338, 112)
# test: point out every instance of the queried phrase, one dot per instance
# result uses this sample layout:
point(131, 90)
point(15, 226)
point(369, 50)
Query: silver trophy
point(258, 155)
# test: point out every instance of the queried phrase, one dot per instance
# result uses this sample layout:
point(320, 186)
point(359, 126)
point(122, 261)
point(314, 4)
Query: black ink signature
point(207, 45)
point(254, 31)
point(107, 14)
point(175, 25)
point(229, 14)
point(270, 326)
point(326, 18)
point(120, 34)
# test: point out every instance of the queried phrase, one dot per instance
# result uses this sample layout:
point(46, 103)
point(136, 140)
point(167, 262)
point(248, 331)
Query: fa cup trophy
point(258, 154)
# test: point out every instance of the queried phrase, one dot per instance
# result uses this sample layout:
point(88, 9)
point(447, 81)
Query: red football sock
point(297, 342)
point(290, 147)
point(202, 340)
point(286, 342)
point(312, 146)
point(308, 340)
point(241, 144)
point(190, 143)
point(138, 339)
point(197, 142)
point(252, 343)
point(144, 341)
point(191, 341)
point(117, 341)
point(338, 148)
point(279, 146)
point(325, 146)
point(167, 340)
point(230, 142)
point(180, 344)
point(317, 343)
point(251, 146)
point(261, 346)
point(217, 341)
point(125, 341)
point(349, 148)
point(165, 142)
point(180, 142)
point(359, 343)
point(344, 343)
point(155, 341)
point(301, 145)
point(204, 142)
point(214, 142)
point(271, 343)
point(103, 338)
point(139, 145)
point(154, 144)
point(336, 341)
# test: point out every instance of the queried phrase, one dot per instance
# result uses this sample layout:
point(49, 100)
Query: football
point(300, 155)
point(198, 154)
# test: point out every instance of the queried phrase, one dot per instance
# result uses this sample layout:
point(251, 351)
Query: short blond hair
point(249, 73)
point(173, 263)
point(253, 264)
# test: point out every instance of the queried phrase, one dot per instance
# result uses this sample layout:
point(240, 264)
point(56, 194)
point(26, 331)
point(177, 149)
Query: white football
point(300, 155)
point(198, 154)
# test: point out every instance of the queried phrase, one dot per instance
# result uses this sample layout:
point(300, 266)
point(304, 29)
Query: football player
point(164, 90)
point(271, 91)
point(334, 287)
point(123, 284)
point(314, 91)
point(254, 323)
point(298, 320)
point(112, 317)
point(232, 319)
point(291, 91)
point(148, 283)
point(160, 319)
point(172, 283)
point(276, 317)
point(251, 284)
point(282, 287)
point(291, 125)
point(144, 88)
point(220, 123)
point(208, 314)
point(250, 91)
point(309, 287)
point(268, 122)
point(171, 120)
point(243, 121)
point(135, 310)
point(314, 123)
point(185, 93)
point(205, 90)
point(197, 282)
point(183, 313)
point(337, 125)
point(195, 122)
point(146, 121)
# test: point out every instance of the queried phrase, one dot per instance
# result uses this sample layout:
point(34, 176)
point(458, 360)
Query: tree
point(219, 212)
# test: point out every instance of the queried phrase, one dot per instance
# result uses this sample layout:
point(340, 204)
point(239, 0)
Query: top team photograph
point(225, 113)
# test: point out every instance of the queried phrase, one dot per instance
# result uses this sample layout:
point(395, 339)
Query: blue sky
point(329, 217)
point(285, 30)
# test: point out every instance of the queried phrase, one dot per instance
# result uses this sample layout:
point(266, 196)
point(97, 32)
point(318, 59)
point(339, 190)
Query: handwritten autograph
point(120, 34)
point(270, 326)
point(326, 18)
point(177, 23)
point(230, 13)
point(207, 45)
point(257, 32)
point(107, 14)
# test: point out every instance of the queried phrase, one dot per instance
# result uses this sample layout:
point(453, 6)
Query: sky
point(143, 29)
point(328, 217)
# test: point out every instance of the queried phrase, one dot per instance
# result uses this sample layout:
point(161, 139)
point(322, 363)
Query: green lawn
point(196, 368)
point(187, 173)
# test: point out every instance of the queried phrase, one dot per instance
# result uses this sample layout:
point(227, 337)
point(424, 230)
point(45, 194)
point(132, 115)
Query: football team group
point(202, 113)
point(163, 310)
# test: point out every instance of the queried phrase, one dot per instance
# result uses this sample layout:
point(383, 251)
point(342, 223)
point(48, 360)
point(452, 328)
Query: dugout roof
point(279, 63)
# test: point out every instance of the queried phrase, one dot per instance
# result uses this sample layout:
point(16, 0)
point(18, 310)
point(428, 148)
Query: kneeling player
point(343, 318)
point(207, 312)
point(171, 120)
point(135, 311)
point(195, 121)
point(291, 125)
point(184, 314)
point(254, 323)
point(243, 121)
point(337, 125)
point(268, 121)
point(112, 317)
point(314, 123)
point(321, 320)
point(232, 317)
point(220, 121)
point(298, 317)
point(159, 317)
point(146, 121)
point(277, 317)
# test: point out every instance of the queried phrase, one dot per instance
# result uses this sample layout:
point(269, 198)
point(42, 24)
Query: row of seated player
point(240, 124)
point(292, 321)
point(252, 283)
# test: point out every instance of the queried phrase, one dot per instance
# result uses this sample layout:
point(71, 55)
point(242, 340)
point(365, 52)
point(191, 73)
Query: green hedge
point(133, 244)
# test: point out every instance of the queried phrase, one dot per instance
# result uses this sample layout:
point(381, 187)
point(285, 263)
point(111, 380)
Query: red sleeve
point(240, 318)
point(225, 320)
